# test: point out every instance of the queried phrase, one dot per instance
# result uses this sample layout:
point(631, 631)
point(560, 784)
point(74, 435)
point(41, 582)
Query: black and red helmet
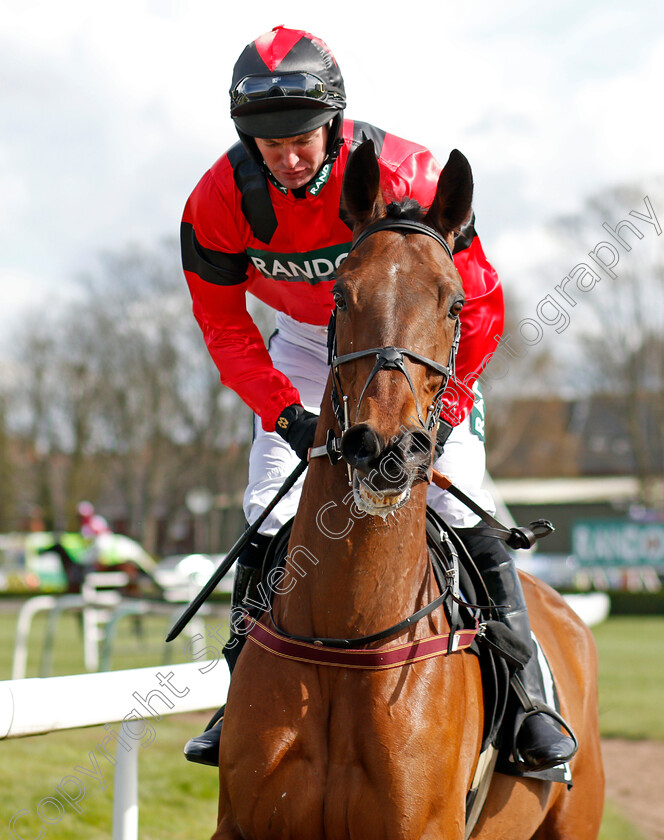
point(285, 83)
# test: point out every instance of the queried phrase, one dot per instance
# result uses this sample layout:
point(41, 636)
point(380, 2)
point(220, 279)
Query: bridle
point(390, 357)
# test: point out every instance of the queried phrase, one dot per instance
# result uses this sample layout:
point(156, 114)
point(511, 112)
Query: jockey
point(92, 524)
point(266, 219)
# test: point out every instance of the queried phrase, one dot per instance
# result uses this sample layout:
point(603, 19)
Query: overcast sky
point(111, 111)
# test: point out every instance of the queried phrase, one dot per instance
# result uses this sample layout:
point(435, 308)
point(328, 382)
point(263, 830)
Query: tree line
point(112, 397)
point(603, 326)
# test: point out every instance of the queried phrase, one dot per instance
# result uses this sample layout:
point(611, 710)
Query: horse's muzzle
point(385, 471)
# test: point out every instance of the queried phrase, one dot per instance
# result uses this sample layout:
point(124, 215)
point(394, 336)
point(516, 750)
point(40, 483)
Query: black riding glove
point(297, 427)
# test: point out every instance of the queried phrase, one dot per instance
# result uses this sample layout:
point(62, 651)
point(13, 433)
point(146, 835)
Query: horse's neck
point(356, 574)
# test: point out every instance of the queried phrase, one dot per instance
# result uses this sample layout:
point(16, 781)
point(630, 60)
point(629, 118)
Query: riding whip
point(232, 556)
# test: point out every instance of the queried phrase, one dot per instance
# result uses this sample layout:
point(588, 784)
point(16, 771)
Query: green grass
point(186, 794)
point(32, 767)
point(178, 800)
point(631, 677)
point(616, 827)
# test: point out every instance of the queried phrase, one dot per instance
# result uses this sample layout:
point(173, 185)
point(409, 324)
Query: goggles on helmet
point(256, 88)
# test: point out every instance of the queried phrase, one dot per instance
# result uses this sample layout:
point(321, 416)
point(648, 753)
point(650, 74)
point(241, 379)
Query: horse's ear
point(361, 195)
point(454, 195)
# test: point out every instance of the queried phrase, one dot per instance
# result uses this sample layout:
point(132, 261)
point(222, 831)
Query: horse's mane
point(407, 208)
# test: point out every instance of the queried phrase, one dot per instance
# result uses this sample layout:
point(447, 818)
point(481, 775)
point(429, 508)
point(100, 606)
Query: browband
point(406, 225)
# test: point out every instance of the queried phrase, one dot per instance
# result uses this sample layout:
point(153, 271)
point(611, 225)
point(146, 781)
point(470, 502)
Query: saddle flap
point(505, 643)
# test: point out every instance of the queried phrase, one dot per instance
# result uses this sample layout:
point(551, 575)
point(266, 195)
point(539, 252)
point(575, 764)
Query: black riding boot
point(204, 749)
point(539, 742)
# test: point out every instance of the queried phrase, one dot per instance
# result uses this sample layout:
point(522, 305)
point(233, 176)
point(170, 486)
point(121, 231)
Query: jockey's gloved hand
point(297, 427)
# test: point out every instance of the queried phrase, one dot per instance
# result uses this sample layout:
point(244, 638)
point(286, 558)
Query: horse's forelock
point(408, 208)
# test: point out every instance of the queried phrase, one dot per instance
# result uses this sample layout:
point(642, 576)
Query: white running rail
point(39, 705)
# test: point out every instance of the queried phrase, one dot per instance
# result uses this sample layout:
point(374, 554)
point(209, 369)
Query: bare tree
point(622, 344)
point(7, 474)
point(607, 287)
point(121, 401)
point(31, 412)
point(162, 410)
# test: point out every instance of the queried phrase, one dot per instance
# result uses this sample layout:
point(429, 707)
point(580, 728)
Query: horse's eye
point(339, 301)
point(455, 309)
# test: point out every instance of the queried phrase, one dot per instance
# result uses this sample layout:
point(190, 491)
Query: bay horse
point(312, 751)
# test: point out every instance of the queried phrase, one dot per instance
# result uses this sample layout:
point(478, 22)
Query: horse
point(313, 751)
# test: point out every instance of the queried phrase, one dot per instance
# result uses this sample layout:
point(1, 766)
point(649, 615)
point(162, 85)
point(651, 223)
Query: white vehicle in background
point(181, 576)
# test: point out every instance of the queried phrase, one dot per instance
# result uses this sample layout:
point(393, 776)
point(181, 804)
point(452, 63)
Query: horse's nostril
point(416, 446)
point(360, 445)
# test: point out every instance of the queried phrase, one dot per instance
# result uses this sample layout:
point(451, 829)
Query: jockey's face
point(295, 160)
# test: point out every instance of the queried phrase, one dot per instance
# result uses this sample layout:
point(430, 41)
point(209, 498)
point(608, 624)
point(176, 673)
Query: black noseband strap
point(392, 358)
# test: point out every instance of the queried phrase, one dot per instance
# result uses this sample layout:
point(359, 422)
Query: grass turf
point(616, 827)
point(631, 677)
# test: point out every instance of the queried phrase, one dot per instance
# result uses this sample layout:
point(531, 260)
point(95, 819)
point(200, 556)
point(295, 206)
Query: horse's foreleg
point(226, 827)
point(226, 832)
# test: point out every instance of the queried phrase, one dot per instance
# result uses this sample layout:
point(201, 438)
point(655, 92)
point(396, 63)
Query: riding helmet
point(287, 82)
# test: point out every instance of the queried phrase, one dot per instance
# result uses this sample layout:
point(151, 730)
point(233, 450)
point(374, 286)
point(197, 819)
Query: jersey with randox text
point(241, 232)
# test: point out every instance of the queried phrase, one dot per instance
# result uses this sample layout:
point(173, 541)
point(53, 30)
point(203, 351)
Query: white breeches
point(300, 351)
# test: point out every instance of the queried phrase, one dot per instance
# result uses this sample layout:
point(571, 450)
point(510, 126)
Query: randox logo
point(309, 267)
point(321, 180)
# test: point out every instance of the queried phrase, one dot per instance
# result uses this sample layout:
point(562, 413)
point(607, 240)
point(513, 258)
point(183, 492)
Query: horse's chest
point(343, 763)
